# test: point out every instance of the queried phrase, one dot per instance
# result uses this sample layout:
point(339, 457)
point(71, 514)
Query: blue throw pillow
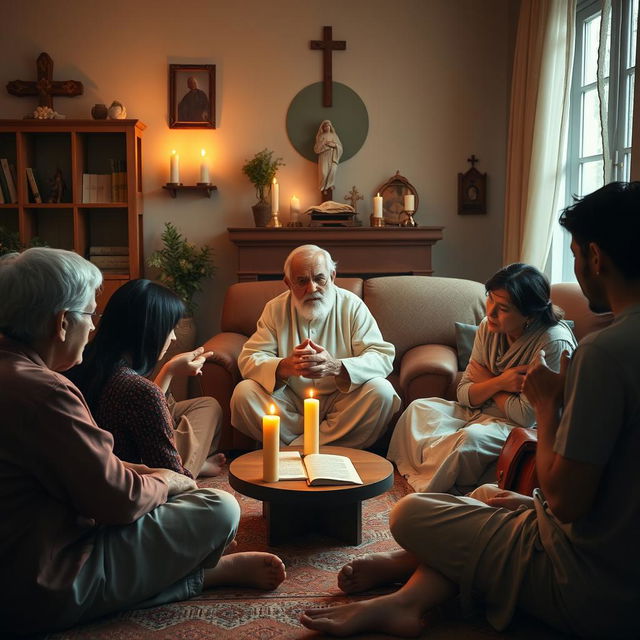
point(465, 335)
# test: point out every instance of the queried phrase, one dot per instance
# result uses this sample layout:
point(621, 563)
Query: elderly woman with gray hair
point(82, 533)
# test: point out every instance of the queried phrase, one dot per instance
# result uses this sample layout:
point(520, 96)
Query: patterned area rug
point(312, 564)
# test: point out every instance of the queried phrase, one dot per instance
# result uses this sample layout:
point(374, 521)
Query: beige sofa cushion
point(418, 310)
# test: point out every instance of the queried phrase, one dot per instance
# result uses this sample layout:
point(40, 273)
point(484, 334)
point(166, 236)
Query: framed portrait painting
point(192, 96)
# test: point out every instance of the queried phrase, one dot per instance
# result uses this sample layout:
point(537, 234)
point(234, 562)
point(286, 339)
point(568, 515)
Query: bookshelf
point(110, 217)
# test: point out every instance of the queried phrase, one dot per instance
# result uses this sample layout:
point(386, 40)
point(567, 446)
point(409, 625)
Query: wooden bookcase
point(76, 147)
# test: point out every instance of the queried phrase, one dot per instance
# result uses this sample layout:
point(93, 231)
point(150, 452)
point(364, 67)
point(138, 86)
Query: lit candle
point(377, 206)
point(311, 424)
point(174, 173)
point(409, 202)
point(204, 168)
point(270, 446)
point(275, 196)
point(294, 209)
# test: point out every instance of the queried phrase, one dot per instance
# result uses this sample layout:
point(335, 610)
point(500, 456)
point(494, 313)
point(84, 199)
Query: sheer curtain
point(538, 126)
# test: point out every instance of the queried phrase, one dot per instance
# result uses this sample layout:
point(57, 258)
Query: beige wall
point(434, 76)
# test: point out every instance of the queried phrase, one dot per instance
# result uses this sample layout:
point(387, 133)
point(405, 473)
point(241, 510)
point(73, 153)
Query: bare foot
point(230, 548)
point(386, 614)
point(247, 569)
point(376, 569)
point(212, 465)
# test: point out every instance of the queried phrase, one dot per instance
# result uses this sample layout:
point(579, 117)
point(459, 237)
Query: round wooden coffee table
point(293, 508)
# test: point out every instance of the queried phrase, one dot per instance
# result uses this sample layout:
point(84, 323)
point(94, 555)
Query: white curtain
point(538, 124)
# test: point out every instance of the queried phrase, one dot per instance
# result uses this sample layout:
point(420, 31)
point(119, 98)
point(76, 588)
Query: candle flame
point(311, 393)
point(203, 153)
point(378, 195)
point(275, 181)
point(173, 152)
point(272, 409)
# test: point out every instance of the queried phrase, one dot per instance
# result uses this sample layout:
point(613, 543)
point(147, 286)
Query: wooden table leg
point(343, 522)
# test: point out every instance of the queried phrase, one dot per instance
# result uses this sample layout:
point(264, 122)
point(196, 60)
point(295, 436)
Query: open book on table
point(317, 468)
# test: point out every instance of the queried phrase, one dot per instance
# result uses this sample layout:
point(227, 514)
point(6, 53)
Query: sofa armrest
point(429, 371)
point(226, 348)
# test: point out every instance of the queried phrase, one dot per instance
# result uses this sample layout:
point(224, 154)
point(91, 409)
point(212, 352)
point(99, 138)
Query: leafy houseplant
point(182, 265)
point(261, 170)
point(10, 242)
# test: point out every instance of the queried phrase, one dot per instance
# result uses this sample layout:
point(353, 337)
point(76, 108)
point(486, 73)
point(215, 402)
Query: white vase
point(185, 341)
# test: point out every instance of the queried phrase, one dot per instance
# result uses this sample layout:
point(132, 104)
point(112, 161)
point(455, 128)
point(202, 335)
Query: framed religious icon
point(393, 193)
point(192, 96)
point(472, 191)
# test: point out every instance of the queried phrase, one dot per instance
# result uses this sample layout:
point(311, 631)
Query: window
point(593, 151)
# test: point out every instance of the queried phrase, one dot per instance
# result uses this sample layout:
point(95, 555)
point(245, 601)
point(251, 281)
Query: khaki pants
point(197, 430)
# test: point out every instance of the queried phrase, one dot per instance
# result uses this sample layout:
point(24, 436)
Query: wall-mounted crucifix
point(44, 87)
point(328, 46)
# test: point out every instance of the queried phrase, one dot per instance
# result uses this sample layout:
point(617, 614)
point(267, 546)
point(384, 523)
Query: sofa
point(417, 314)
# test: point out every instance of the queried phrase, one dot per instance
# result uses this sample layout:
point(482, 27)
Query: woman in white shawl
point(451, 447)
point(329, 150)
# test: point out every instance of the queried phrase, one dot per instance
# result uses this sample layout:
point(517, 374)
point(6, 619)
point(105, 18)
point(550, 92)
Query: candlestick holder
point(174, 184)
point(274, 221)
point(376, 221)
point(202, 184)
point(409, 221)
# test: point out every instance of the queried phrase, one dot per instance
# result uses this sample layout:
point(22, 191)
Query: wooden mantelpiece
point(359, 251)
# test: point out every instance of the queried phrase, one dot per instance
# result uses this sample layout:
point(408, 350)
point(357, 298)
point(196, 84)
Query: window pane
point(591, 130)
point(631, 59)
point(590, 50)
point(591, 177)
point(629, 113)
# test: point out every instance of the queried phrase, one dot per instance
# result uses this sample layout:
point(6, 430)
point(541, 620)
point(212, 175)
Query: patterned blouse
point(135, 411)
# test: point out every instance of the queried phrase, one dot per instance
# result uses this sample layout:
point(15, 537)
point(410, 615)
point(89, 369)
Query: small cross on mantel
point(473, 160)
point(327, 45)
point(44, 87)
point(352, 197)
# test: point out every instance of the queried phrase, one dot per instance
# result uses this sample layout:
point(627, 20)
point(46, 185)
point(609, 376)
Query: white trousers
point(355, 419)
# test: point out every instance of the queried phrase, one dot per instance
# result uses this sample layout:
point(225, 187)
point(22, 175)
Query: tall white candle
point(270, 446)
point(294, 209)
point(311, 424)
point(204, 168)
point(377, 206)
point(409, 202)
point(275, 196)
point(174, 171)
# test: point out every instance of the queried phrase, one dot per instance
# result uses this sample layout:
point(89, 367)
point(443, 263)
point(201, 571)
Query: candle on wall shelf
point(377, 206)
point(311, 424)
point(270, 446)
point(275, 196)
point(294, 208)
point(174, 168)
point(409, 202)
point(204, 168)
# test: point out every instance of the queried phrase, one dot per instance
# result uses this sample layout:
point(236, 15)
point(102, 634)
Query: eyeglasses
point(94, 314)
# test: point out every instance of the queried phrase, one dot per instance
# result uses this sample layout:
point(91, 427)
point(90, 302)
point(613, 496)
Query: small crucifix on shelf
point(45, 87)
point(352, 198)
point(327, 45)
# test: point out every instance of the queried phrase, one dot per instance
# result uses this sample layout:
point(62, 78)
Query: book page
point(329, 469)
point(291, 467)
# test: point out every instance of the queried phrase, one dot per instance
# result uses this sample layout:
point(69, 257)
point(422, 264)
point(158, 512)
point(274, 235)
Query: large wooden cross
point(44, 87)
point(327, 45)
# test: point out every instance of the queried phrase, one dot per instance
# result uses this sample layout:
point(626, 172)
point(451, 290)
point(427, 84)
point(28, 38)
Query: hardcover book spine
point(34, 186)
point(11, 186)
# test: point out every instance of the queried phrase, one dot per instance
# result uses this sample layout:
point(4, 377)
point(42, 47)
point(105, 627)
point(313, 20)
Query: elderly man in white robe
point(319, 338)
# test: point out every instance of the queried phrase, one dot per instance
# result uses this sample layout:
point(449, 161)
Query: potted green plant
point(182, 266)
point(261, 170)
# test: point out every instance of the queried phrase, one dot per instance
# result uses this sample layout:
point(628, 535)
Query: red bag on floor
point(517, 461)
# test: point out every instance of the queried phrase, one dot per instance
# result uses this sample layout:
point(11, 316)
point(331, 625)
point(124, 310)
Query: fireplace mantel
point(360, 251)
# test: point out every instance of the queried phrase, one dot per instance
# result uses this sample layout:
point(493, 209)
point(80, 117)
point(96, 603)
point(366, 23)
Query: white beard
point(311, 309)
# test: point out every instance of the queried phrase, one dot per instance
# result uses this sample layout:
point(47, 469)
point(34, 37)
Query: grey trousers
point(159, 558)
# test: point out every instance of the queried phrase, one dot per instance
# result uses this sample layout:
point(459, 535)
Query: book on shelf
point(1, 192)
point(97, 187)
point(317, 468)
point(31, 179)
point(110, 262)
point(10, 182)
point(108, 250)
